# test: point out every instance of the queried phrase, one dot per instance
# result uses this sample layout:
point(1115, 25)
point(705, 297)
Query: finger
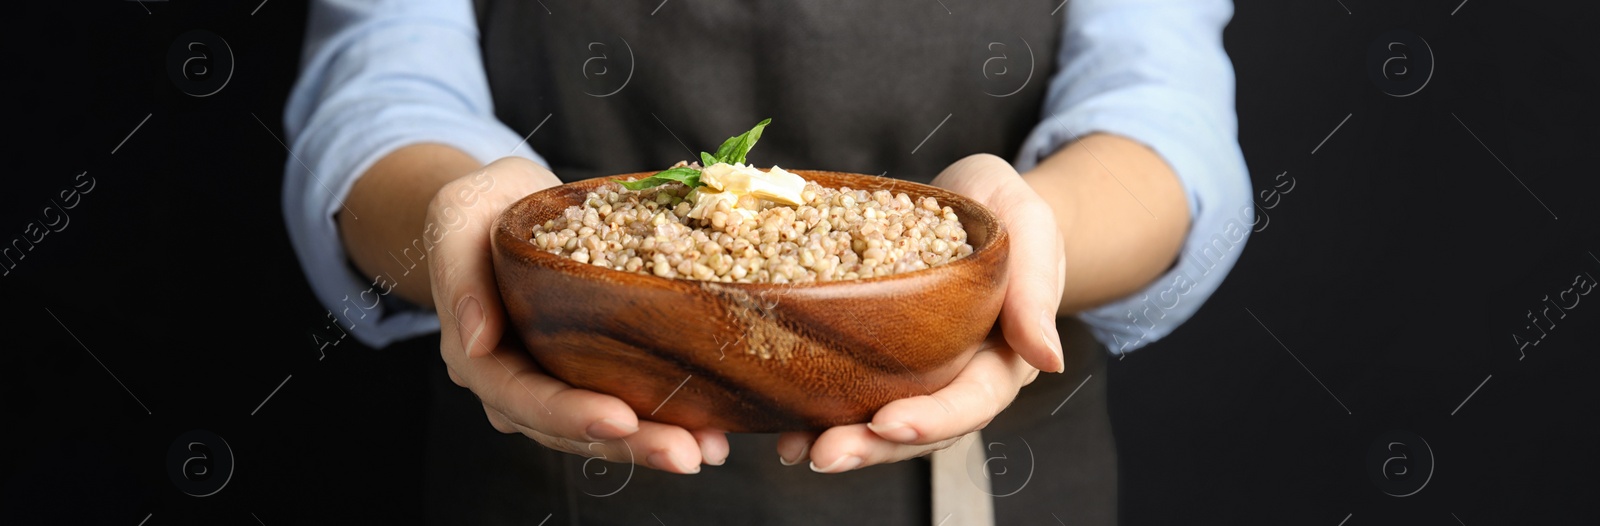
point(499, 421)
point(713, 445)
point(667, 447)
point(1033, 296)
point(456, 378)
point(508, 381)
point(795, 447)
point(652, 445)
point(984, 387)
point(1036, 264)
point(656, 446)
point(846, 448)
point(460, 269)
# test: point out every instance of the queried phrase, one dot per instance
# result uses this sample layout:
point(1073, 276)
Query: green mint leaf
point(732, 151)
point(735, 148)
point(726, 149)
point(688, 176)
point(642, 183)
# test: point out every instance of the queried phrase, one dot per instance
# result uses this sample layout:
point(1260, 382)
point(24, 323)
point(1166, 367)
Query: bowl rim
point(997, 240)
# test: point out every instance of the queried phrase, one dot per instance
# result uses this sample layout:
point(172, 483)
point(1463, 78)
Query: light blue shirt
point(381, 74)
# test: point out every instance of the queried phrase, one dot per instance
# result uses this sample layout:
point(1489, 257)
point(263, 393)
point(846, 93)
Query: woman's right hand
point(482, 355)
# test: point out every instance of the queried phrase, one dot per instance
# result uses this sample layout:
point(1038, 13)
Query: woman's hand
point(920, 425)
point(483, 356)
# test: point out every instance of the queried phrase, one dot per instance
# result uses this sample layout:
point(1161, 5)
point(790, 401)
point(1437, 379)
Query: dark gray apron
point(896, 88)
point(850, 85)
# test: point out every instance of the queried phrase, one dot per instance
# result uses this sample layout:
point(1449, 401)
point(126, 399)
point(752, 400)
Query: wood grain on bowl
point(750, 357)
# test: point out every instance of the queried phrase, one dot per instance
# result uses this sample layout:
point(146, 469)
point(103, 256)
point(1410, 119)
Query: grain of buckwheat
point(836, 235)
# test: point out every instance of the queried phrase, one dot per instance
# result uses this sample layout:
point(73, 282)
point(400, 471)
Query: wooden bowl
point(746, 357)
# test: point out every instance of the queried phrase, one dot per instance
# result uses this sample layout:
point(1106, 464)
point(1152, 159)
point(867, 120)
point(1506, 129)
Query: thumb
point(1033, 293)
point(461, 269)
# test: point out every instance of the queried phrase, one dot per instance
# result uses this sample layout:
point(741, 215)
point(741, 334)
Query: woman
point(1119, 116)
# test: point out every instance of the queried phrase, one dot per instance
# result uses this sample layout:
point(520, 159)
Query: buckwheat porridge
point(723, 220)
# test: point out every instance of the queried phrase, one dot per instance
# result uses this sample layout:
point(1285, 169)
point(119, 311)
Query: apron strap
point(958, 497)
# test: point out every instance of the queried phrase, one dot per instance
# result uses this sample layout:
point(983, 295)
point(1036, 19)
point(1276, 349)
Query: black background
point(1384, 291)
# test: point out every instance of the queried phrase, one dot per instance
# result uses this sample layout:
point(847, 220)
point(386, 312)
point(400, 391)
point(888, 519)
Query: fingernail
point(1052, 338)
point(711, 457)
point(664, 461)
point(894, 431)
point(658, 460)
point(683, 465)
point(797, 458)
point(470, 315)
point(608, 429)
point(842, 464)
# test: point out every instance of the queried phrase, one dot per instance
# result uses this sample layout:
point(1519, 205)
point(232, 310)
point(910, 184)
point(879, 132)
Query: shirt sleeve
point(378, 75)
point(1155, 71)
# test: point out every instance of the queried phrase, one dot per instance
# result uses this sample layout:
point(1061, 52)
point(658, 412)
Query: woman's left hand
point(920, 425)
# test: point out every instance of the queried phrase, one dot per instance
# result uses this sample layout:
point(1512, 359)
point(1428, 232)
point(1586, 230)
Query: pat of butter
point(776, 185)
point(725, 183)
point(705, 201)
